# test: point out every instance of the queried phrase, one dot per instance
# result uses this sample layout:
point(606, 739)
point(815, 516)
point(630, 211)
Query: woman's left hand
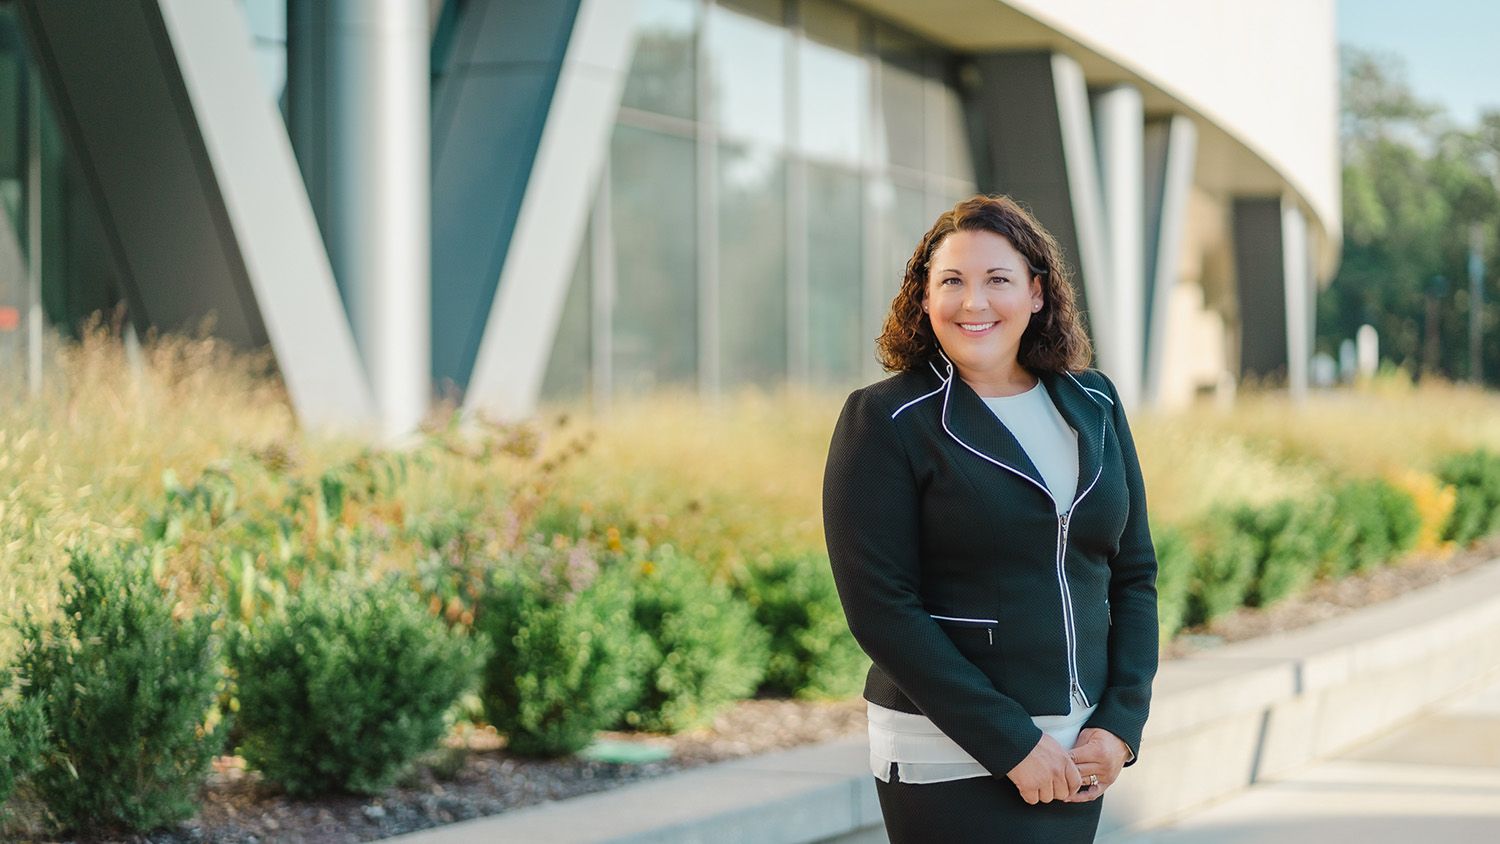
point(1097, 752)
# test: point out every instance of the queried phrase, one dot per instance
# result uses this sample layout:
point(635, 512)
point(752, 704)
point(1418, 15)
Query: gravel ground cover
point(474, 776)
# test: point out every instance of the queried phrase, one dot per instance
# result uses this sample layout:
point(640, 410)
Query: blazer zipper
point(1070, 630)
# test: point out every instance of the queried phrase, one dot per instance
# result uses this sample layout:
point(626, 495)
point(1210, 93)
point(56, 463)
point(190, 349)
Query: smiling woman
point(986, 522)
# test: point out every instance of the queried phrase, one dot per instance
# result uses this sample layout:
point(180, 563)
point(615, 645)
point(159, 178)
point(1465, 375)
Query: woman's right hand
point(1046, 774)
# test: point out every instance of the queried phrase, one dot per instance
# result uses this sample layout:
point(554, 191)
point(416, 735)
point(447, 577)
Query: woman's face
point(980, 297)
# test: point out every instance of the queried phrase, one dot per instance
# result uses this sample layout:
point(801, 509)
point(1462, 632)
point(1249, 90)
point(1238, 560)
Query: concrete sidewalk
point(1435, 779)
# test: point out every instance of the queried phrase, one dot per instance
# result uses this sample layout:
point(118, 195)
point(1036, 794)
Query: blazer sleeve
point(871, 518)
point(1133, 636)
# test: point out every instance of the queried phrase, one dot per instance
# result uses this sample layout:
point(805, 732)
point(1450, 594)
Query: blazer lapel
point(979, 431)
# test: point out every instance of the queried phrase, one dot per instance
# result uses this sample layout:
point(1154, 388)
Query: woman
point(986, 521)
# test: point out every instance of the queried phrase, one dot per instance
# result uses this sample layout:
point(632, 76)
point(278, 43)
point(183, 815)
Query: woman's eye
point(951, 280)
point(995, 279)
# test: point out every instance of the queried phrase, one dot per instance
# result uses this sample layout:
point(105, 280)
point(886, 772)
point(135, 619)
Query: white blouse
point(925, 753)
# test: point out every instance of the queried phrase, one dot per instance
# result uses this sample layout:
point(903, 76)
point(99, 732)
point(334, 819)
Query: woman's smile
point(977, 327)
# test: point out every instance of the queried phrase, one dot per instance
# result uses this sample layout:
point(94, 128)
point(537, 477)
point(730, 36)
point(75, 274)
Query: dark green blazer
point(979, 605)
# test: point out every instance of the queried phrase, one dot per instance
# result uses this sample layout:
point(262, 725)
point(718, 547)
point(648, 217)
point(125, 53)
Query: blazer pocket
point(975, 638)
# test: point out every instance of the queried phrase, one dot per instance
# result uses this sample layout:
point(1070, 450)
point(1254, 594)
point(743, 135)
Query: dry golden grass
point(84, 458)
point(723, 479)
point(1384, 426)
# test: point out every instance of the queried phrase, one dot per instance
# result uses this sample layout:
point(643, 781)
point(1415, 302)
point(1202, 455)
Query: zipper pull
point(991, 631)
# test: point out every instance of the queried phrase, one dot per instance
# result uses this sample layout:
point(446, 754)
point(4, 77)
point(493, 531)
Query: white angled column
point(1086, 201)
point(1171, 146)
point(1119, 122)
point(379, 222)
point(523, 319)
point(1299, 317)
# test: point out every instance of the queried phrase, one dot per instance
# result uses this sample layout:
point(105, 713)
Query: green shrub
point(567, 657)
point(1380, 523)
point(1476, 513)
point(347, 684)
point(23, 736)
point(1174, 579)
point(1286, 547)
point(705, 648)
point(129, 692)
point(813, 654)
point(1224, 567)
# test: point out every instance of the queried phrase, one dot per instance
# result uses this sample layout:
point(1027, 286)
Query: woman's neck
point(1010, 381)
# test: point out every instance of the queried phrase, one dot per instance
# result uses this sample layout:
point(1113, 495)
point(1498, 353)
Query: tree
point(1414, 186)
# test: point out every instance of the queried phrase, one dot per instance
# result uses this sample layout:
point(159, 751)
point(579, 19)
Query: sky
point(1451, 48)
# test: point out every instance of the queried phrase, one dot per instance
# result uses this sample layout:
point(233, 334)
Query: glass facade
point(769, 171)
point(46, 209)
point(772, 168)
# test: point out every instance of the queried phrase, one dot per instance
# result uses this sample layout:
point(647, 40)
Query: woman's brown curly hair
point(1054, 341)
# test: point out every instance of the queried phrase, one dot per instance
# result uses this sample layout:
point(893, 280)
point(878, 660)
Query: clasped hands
point(1051, 773)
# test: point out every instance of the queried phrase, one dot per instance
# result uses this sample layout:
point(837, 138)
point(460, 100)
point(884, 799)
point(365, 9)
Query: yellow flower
point(1435, 501)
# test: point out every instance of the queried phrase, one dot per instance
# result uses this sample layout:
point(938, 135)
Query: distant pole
point(1476, 302)
point(1432, 347)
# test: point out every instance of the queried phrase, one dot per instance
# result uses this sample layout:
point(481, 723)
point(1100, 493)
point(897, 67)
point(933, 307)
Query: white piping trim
point(898, 410)
point(981, 454)
point(956, 618)
point(940, 375)
point(1098, 393)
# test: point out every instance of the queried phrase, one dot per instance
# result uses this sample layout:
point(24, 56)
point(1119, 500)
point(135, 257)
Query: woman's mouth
point(976, 327)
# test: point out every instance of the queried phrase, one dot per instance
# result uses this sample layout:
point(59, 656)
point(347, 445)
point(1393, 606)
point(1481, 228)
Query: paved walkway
point(1436, 779)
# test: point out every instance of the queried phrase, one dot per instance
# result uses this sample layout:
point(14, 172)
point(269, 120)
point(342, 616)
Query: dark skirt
point(980, 809)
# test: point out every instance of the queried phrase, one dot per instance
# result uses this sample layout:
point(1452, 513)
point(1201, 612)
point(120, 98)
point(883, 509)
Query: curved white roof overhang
point(1260, 80)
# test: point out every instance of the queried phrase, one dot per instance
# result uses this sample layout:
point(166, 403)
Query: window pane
point(833, 102)
point(901, 125)
point(654, 334)
point(951, 156)
point(747, 76)
point(14, 294)
point(837, 346)
point(661, 72)
point(752, 266)
point(904, 221)
point(567, 377)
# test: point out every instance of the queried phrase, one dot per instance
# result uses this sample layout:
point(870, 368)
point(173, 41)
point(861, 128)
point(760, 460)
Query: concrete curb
point(1220, 722)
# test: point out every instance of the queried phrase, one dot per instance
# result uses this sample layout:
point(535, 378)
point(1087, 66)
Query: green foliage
point(1285, 536)
point(23, 737)
point(1378, 523)
point(1174, 578)
point(129, 693)
point(1224, 569)
point(345, 686)
point(1476, 513)
point(706, 649)
point(567, 657)
point(1413, 188)
point(813, 655)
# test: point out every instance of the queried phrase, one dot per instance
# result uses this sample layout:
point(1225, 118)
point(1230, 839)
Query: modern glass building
point(594, 199)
